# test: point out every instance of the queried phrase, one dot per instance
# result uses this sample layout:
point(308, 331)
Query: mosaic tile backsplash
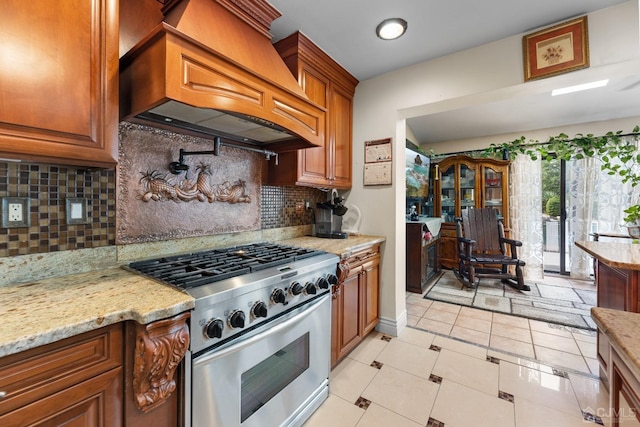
point(48, 186)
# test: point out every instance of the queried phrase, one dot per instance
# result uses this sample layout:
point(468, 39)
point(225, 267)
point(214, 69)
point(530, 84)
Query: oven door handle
point(307, 310)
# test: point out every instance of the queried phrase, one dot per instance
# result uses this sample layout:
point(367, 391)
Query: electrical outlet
point(15, 212)
point(307, 204)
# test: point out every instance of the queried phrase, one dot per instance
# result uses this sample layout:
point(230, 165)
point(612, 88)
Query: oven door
point(278, 376)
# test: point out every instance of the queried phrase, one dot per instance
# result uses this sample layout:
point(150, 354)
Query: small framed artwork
point(556, 50)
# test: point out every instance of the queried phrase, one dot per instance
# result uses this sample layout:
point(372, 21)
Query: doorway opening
point(554, 217)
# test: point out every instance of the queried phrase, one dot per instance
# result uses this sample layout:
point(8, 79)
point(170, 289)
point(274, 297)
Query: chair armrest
point(511, 241)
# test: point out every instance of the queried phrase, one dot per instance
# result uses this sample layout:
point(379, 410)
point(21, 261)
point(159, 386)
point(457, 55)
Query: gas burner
point(202, 268)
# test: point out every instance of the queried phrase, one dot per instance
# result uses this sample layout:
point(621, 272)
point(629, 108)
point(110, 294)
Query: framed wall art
point(377, 159)
point(556, 50)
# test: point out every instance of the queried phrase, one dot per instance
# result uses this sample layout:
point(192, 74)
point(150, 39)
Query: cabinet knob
point(2, 394)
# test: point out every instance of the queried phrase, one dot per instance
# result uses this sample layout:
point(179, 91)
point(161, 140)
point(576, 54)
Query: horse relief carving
point(157, 187)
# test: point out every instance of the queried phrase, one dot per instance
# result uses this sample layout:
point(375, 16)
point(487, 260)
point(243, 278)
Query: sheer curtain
point(525, 198)
point(596, 201)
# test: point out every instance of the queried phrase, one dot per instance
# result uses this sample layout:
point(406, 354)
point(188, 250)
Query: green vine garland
point(606, 149)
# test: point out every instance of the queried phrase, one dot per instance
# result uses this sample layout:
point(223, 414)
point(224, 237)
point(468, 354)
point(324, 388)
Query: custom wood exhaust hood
point(209, 69)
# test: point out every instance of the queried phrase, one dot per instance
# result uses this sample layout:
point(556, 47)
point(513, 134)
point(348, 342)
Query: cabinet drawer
point(31, 375)
point(360, 257)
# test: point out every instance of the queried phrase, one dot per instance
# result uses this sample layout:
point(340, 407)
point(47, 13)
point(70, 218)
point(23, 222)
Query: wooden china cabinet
point(330, 86)
point(462, 182)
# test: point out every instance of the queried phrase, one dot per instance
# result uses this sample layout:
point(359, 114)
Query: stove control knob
point(214, 329)
point(296, 288)
point(236, 319)
point(322, 283)
point(259, 309)
point(310, 289)
point(332, 279)
point(277, 296)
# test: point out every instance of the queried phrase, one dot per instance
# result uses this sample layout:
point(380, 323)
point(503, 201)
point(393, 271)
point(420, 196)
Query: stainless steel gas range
point(260, 332)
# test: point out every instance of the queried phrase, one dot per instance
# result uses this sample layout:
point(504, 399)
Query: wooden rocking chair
point(483, 251)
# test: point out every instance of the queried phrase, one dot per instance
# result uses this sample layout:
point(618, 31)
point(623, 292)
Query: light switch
point(77, 210)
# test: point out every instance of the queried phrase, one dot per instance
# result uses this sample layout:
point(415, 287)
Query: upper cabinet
point(462, 182)
point(59, 81)
point(330, 86)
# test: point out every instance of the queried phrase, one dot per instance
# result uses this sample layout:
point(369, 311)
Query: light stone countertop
point(341, 247)
point(620, 255)
point(49, 310)
point(623, 330)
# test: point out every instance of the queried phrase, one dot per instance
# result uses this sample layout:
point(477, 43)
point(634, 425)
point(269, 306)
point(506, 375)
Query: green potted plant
point(633, 215)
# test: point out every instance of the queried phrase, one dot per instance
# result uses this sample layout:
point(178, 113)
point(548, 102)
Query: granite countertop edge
point(48, 310)
point(620, 255)
point(622, 328)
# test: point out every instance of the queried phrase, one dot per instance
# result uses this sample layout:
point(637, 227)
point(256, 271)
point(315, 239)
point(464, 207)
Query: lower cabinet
point(355, 304)
point(75, 381)
point(125, 374)
point(617, 287)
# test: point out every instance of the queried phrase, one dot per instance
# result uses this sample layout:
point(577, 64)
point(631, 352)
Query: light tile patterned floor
point(458, 366)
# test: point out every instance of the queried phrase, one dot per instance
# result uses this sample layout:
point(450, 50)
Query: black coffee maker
point(329, 217)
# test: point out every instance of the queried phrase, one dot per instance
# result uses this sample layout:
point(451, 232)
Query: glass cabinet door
point(467, 187)
point(493, 191)
point(448, 194)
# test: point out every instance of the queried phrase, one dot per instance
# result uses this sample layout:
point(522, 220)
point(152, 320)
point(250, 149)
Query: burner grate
point(201, 268)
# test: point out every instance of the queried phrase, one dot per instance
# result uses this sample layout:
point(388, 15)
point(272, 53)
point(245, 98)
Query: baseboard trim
point(392, 327)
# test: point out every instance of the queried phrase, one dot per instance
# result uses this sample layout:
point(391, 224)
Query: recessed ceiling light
point(577, 88)
point(391, 29)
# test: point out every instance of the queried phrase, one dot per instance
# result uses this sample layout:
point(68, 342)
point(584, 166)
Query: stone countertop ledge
point(341, 247)
point(620, 255)
point(45, 311)
point(623, 330)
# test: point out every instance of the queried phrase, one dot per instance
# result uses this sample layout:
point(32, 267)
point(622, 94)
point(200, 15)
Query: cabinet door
point(448, 193)
point(314, 162)
point(60, 86)
point(93, 403)
point(340, 118)
point(370, 279)
point(350, 310)
point(466, 195)
point(494, 190)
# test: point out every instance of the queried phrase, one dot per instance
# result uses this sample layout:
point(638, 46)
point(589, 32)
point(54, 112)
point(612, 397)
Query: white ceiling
point(345, 29)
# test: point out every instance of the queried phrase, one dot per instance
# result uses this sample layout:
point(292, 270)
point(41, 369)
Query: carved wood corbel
point(160, 347)
point(342, 271)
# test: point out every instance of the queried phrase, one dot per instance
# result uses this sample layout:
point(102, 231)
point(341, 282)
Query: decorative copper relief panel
point(217, 195)
point(160, 347)
point(159, 187)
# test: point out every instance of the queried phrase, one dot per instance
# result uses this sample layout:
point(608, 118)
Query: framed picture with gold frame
point(556, 50)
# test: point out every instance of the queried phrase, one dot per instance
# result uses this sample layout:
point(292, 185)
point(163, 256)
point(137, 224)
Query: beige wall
point(483, 74)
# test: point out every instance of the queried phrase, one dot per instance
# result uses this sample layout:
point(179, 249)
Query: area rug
point(545, 302)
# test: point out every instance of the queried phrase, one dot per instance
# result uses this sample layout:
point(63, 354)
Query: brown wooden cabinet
point(60, 87)
point(108, 377)
point(462, 182)
point(355, 304)
point(421, 258)
point(617, 288)
point(330, 86)
point(75, 381)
